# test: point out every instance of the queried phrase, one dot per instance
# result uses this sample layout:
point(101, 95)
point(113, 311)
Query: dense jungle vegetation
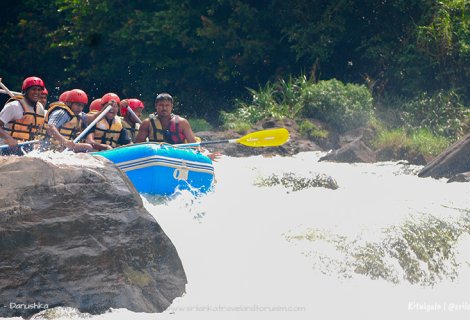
point(405, 62)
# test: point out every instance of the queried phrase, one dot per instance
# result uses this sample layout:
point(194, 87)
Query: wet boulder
point(75, 234)
point(354, 151)
point(452, 161)
point(461, 177)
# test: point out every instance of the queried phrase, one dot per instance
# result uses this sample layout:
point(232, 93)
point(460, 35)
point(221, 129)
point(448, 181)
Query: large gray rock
point(79, 236)
point(454, 160)
point(355, 151)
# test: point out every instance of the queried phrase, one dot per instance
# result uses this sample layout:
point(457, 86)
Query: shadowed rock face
point(452, 161)
point(355, 151)
point(79, 236)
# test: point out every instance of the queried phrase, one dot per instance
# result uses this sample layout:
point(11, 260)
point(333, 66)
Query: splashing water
point(291, 237)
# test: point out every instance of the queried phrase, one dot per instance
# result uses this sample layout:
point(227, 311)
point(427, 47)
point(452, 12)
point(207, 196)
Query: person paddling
point(65, 120)
point(22, 117)
point(131, 121)
point(108, 133)
point(95, 106)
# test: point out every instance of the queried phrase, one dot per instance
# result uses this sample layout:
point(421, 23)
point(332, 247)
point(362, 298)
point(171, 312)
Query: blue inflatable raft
point(162, 169)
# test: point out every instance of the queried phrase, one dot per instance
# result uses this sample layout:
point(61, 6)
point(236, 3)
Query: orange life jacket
point(108, 134)
point(30, 126)
point(69, 130)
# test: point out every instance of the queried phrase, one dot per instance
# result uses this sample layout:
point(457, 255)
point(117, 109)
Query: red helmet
point(44, 91)
point(134, 104)
point(108, 97)
point(63, 95)
point(77, 96)
point(31, 82)
point(95, 105)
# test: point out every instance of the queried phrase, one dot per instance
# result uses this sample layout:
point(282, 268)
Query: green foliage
point(346, 106)
point(443, 113)
point(234, 121)
point(312, 33)
point(352, 41)
point(391, 139)
point(310, 130)
point(283, 99)
point(198, 124)
point(427, 143)
point(262, 105)
point(207, 52)
point(399, 143)
point(445, 42)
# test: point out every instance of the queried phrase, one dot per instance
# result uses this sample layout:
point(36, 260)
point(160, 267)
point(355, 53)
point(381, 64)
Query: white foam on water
point(245, 255)
point(239, 263)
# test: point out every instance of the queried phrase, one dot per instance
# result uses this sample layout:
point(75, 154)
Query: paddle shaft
point(5, 89)
point(136, 118)
point(19, 144)
point(8, 92)
point(84, 132)
point(203, 143)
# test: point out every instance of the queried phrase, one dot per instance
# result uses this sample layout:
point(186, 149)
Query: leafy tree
point(207, 52)
point(24, 26)
point(445, 44)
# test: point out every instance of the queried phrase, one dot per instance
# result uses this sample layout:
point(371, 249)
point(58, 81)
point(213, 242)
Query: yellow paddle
point(264, 138)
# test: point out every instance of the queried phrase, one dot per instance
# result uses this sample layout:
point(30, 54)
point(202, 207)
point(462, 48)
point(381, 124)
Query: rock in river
point(452, 161)
point(75, 234)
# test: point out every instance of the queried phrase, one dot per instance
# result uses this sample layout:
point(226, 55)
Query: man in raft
point(95, 106)
point(65, 120)
point(164, 126)
point(22, 117)
point(131, 121)
point(43, 98)
point(109, 132)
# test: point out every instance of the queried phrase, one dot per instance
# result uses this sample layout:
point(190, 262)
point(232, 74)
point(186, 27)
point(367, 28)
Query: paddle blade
point(265, 138)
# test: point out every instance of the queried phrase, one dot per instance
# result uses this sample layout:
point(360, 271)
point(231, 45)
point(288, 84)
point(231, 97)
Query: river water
point(294, 238)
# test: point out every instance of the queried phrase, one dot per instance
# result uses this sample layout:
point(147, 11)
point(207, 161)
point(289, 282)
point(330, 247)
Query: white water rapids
point(384, 245)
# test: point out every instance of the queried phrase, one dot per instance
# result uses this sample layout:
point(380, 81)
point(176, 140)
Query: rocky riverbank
point(351, 146)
